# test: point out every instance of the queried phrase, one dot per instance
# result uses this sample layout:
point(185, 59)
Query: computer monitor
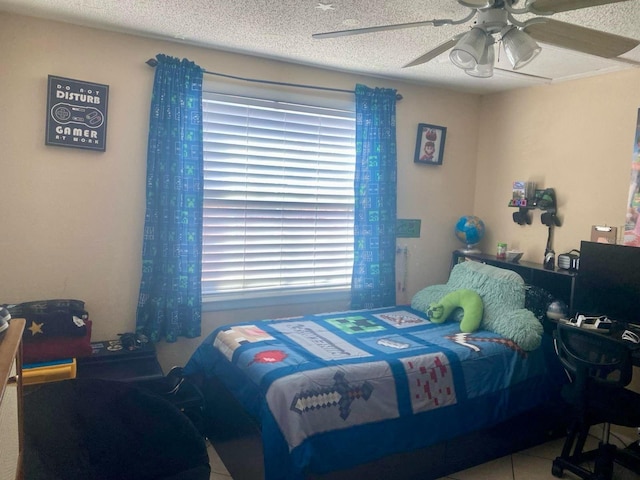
point(608, 282)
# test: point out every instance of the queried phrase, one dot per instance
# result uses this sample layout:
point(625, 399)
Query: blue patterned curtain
point(169, 304)
point(373, 280)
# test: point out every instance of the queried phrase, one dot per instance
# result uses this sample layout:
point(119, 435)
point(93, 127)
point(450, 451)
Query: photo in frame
point(430, 144)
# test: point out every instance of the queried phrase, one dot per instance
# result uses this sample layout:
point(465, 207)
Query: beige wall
point(72, 219)
point(576, 137)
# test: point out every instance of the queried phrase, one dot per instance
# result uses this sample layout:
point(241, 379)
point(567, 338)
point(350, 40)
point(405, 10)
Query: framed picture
point(76, 114)
point(430, 144)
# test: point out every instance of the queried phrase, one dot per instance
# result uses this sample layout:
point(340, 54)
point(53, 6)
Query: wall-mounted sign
point(407, 228)
point(76, 114)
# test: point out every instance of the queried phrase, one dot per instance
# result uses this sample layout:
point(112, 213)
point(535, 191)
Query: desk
point(11, 401)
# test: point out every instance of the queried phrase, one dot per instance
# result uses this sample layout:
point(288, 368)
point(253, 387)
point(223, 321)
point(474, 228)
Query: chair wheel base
point(557, 470)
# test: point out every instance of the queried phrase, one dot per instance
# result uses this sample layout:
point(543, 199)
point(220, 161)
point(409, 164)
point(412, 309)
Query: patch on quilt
point(314, 401)
point(401, 319)
point(228, 340)
point(469, 340)
point(319, 341)
point(355, 324)
point(430, 382)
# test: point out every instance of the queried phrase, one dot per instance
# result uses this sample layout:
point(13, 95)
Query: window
point(278, 197)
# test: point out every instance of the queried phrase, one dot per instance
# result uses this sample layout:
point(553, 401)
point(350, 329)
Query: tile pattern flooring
point(530, 464)
point(218, 470)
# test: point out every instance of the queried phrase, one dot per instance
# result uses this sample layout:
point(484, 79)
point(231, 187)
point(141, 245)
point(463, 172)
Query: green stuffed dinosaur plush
point(468, 300)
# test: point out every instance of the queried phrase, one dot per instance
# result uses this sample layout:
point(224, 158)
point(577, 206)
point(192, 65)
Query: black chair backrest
point(593, 358)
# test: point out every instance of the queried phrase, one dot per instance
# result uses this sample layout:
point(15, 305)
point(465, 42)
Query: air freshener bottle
point(501, 252)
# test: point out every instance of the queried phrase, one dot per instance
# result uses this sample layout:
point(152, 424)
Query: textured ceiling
point(282, 29)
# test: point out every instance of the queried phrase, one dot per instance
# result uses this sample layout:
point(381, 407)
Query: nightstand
point(110, 361)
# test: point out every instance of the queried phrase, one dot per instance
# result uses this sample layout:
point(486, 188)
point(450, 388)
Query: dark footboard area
point(236, 438)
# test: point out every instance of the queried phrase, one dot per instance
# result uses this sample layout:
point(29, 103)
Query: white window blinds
point(278, 197)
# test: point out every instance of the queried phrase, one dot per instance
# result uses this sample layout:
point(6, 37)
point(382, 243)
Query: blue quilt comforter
point(334, 390)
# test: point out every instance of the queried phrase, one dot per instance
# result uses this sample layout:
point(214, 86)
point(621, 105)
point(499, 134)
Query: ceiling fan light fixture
point(469, 50)
point(519, 47)
point(484, 68)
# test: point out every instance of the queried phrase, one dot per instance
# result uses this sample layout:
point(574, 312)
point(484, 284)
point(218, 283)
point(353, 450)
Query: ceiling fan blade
point(581, 39)
point(522, 74)
point(381, 28)
point(431, 54)
point(436, 22)
point(555, 6)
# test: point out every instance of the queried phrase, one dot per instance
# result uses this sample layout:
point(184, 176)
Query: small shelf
point(526, 207)
point(545, 200)
point(560, 283)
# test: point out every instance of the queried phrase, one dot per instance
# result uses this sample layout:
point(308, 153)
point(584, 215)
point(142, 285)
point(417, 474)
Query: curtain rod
point(152, 62)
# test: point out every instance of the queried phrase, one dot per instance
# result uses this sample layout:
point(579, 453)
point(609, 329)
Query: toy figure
point(429, 151)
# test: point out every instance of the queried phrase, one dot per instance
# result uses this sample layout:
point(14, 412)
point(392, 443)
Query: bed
point(331, 392)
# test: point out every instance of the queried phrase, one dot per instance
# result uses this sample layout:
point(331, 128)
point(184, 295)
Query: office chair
point(599, 367)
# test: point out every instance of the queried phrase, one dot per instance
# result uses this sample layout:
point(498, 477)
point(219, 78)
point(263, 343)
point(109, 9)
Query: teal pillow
point(425, 297)
point(503, 298)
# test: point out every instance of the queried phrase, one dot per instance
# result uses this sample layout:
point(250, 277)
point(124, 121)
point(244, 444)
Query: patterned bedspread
point(338, 389)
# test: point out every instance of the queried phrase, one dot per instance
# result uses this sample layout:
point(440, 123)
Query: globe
point(469, 230)
point(557, 310)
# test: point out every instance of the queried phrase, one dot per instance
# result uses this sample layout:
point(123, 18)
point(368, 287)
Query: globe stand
point(471, 249)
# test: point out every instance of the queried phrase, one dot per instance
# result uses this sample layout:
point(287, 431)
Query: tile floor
point(530, 464)
point(218, 470)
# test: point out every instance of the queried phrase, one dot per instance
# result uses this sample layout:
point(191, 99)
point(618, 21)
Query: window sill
point(213, 303)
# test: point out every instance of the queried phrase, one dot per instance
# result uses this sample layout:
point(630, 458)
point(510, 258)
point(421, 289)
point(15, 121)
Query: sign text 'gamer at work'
point(76, 114)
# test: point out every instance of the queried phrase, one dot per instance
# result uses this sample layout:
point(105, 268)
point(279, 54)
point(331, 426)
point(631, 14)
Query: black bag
point(180, 391)
point(51, 318)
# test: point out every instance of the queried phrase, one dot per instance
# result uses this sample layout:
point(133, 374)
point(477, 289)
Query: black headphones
point(5, 316)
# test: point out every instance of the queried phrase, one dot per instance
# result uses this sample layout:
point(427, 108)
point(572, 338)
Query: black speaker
point(549, 219)
point(569, 260)
point(521, 217)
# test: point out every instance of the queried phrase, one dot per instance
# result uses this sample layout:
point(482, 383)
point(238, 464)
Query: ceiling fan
point(495, 21)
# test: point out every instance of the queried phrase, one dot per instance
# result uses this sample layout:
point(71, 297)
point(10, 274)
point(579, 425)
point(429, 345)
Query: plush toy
point(468, 300)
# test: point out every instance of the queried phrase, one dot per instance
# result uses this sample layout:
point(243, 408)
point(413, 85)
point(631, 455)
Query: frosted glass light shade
point(469, 49)
point(476, 3)
point(484, 68)
point(519, 47)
